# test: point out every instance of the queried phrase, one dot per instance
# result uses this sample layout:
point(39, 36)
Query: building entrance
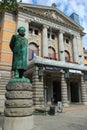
point(74, 88)
point(56, 91)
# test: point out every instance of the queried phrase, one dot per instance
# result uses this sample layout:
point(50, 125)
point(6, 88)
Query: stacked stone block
point(64, 90)
point(83, 91)
point(4, 77)
point(18, 99)
point(38, 90)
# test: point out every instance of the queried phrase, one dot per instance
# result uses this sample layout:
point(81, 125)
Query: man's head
point(21, 30)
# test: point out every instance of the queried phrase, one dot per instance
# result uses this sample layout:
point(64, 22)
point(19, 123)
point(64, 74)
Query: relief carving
point(54, 15)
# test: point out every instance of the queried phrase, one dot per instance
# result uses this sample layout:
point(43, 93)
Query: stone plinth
point(18, 106)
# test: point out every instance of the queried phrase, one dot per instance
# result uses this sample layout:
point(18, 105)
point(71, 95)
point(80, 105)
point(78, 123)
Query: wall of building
point(63, 43)
point(85, 56)
point(7, 29)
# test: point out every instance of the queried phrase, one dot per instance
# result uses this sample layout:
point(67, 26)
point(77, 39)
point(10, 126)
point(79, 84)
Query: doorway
point(74, 88)
point(56, 91)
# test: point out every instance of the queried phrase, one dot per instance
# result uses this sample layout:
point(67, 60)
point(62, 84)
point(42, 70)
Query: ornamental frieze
point(50, 14)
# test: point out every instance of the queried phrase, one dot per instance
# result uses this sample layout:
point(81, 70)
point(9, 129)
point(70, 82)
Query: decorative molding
point(53, 25)
point(45, 26)
point(27, 20)
point(49, 11)
point(61, 31)
point(53, 15)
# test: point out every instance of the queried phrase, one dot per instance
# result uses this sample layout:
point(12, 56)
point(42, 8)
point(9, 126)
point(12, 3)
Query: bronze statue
point(19, 46)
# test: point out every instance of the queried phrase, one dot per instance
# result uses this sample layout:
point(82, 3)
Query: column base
point(18, 123)
point(84, 103)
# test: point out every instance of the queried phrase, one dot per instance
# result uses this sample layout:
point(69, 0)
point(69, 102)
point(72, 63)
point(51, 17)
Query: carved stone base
point(18, 99)
point(18, 106)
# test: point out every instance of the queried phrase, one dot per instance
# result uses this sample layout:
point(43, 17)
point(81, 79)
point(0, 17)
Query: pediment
point(51, 14)
point(54, 15)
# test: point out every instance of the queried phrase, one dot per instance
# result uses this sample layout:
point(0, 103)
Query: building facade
point(85, 56)
point(55, 58)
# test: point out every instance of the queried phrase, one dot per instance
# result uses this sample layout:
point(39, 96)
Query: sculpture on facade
point(19, 46)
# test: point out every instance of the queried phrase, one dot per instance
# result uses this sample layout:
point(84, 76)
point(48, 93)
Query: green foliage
point(10, 5)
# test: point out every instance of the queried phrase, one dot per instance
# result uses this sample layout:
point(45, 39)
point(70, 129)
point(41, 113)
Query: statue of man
point(19, 46)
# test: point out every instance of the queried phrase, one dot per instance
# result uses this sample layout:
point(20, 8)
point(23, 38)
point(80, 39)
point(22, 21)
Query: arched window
point(67, 56)
point(51, 53)
point(33, 50)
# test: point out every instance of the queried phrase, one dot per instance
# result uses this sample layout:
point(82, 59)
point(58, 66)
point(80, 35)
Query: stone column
point(80, 51)
point(83, 91)
point(44, 41)
point(75, 50)
point(64, 93)
point(38, 88)
point(61, 46)
point(18, 106)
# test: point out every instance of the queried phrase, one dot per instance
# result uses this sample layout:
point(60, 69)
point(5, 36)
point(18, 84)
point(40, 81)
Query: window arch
point(51, 53)
point(67, 56)
point(33, 50)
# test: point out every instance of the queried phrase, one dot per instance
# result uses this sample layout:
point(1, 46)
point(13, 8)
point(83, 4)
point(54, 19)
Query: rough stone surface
point(18, 112)
point(18, 99)
point(19, 86)
point(18, 95)
point(18, 103)
point(18, 123)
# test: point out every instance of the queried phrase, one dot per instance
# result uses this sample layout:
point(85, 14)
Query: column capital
point(74, 36)
point(45, 26)
point(28, 20)
point(61, 31)
point(79, 37)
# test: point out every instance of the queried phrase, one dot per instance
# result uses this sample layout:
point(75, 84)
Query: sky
point(68, 7)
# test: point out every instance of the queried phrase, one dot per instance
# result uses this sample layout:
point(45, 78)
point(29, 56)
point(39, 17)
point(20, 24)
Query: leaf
point(10, 5)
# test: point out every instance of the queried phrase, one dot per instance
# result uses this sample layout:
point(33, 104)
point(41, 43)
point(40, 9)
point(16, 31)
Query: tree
point(10, 5)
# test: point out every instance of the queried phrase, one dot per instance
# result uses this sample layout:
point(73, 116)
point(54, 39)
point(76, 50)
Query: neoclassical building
point(55, 54)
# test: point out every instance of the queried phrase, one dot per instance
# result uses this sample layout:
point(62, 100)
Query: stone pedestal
point(18, 106)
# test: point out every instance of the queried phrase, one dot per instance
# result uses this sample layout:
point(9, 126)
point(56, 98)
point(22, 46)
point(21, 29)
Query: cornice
point(49, 19)
point(40, 20)
point(62, 64)
point(23, 5)
point(75, 28)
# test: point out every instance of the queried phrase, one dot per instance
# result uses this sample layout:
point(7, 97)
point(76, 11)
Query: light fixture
point(40, 71)
point(85, 76)
point(67, 75)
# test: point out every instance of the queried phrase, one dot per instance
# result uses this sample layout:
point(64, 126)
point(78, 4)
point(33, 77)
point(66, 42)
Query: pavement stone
point(72, 118)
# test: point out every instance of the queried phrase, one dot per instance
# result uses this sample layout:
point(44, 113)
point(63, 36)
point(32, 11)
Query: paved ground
point(72, 118)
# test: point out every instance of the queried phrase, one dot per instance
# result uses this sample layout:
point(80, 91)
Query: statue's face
point(21, 31)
